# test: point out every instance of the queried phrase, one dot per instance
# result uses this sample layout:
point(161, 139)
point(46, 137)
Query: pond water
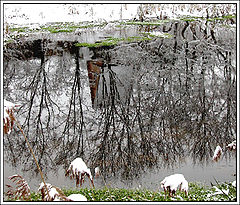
point(138, 110)
point(222, 171)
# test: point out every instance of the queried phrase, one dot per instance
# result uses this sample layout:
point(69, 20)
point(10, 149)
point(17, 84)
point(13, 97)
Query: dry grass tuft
point(55, 193)
point(21, 191)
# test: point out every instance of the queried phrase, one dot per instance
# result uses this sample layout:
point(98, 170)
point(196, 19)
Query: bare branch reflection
point(156, 103)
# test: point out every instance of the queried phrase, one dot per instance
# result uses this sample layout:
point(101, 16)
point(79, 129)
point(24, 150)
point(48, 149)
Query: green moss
point(107, 42)
point(19, 29)
point(110, 41)
point(52, 30)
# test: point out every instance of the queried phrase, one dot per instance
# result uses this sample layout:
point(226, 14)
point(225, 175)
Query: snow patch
point(77, 197)
point(46, 13)
point(173, 182)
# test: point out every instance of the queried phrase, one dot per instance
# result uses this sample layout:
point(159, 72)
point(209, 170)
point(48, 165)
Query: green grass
point(197, 192)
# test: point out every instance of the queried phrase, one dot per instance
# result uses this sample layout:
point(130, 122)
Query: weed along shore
point(120, 102)
point(197, 192)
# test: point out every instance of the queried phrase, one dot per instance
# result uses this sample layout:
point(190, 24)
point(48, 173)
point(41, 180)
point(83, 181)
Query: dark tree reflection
point(157, 102)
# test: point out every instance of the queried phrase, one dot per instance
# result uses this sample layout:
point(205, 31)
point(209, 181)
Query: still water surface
point(158, 102)
point(222, 171)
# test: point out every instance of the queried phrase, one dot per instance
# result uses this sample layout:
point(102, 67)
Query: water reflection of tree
point(179, 101)
point(74, 122)
point(42, 113)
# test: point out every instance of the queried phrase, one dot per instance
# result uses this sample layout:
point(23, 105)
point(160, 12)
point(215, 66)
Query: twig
point(30, 148)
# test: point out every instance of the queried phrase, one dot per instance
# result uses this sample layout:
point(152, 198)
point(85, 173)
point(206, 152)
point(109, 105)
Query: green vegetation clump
point(197, 192)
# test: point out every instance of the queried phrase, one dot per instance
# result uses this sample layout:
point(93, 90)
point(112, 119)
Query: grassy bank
point(14, 32)
point(197, 192)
